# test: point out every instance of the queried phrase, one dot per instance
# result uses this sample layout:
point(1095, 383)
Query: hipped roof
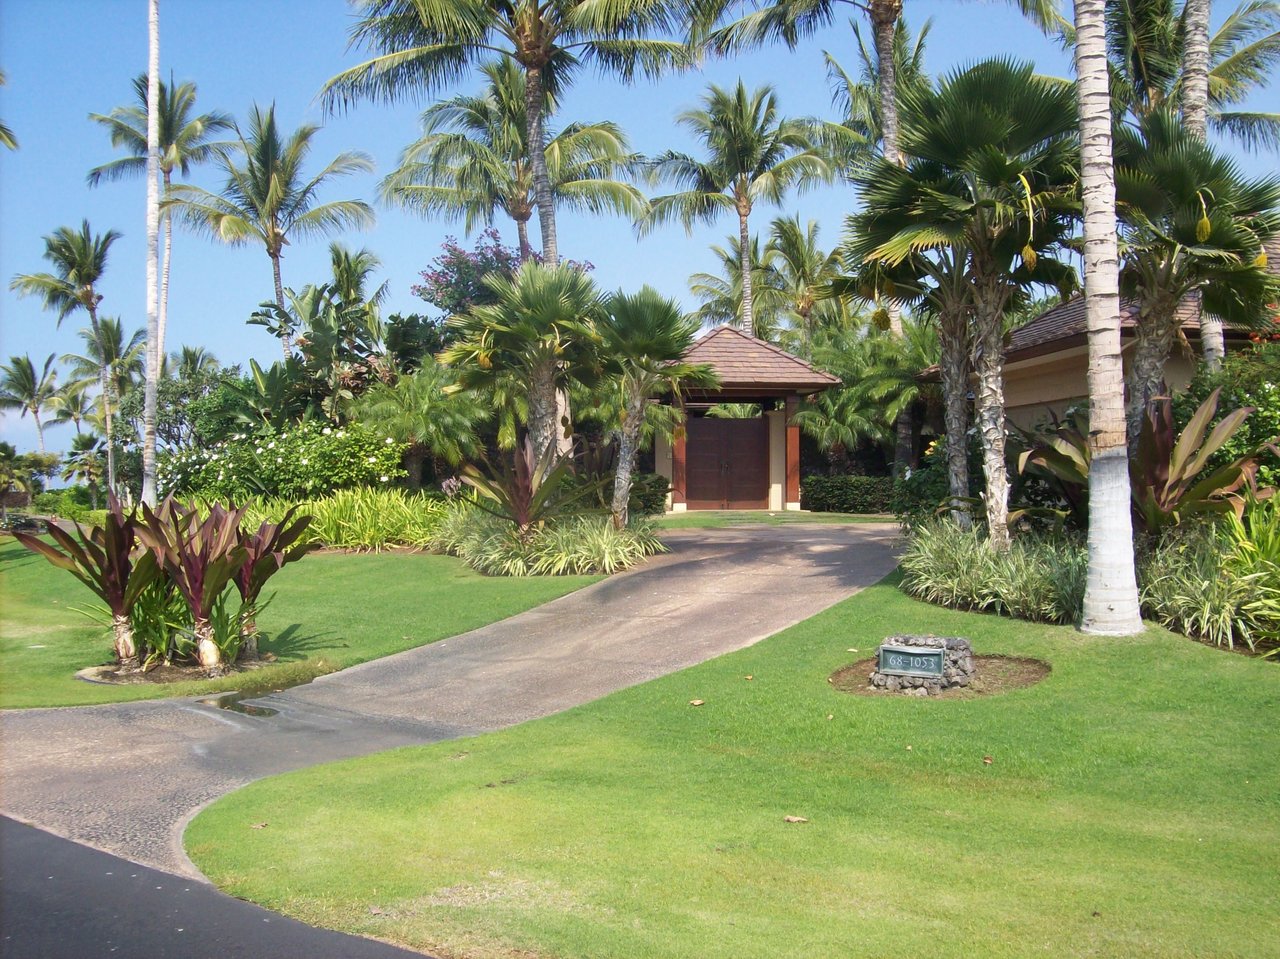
point(743, 363)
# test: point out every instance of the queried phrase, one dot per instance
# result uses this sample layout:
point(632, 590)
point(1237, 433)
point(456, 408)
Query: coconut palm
point(645, 336)
point(79, 259)
point(1111, 604)
point(72, 403)
point(991, 173)
point(267, 196)
point(25, 390)
point(803, 269)
point(752, 154)
point(422, 410)
point(473, 161)
point(84, 463)
point(1192, 226)
point(115, 361)
point(422, 45)
point(541, 329)
point(7, 139)
point(721, 293)
point(188, 362)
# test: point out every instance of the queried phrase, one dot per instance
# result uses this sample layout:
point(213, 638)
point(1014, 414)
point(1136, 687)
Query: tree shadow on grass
point(291, 643)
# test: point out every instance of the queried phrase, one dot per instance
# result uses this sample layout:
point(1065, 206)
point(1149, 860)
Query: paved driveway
point(126, 778)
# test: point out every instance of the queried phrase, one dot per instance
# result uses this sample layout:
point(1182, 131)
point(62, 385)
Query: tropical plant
point(1169, 476)
point(7, 139)
point(79, 260)
point(721, 293)
point(991, 174)
point(1193, 226)
point(267, 550)
point(644, 337)
point(802, 269)
point(190, 362)
point(86, 464)
point(72, 403)
point(421, 411)
point(185, 141)
point(531, 490)
point(25, 390)
point(107, 560)
point(116, 362)
point(274, 398)
point(540, 329)
point(473, 161)
point(267, 196)
point(752, 154)
point(200, 556)
point(421, 45)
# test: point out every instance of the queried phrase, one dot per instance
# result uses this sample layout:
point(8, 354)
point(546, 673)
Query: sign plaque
point(911, 661)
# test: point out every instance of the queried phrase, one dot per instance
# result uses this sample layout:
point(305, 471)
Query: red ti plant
point(530, 491)
point(267, 551)
point(200, 556)
point(107, 560)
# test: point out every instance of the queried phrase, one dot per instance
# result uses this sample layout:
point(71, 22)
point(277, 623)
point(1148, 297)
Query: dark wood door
point(727, 463)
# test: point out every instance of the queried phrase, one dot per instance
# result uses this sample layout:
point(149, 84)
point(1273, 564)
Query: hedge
point(847, 494)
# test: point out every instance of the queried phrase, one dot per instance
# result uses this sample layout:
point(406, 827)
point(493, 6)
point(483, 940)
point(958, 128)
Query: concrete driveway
point(126, 778)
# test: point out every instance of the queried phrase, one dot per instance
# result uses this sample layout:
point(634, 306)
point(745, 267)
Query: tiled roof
point(743, 361)
point(1068, 320)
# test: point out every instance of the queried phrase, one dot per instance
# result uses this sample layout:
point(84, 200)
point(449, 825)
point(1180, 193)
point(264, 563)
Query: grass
point(1130, 810)
point(331, 611)
point(716, 519)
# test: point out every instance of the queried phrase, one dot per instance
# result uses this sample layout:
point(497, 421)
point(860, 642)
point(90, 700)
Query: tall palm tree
point(190, 361)
point(267, 196)
point(473, 161)
point(422, 410)
point(78, 260)
point(7, 139)
point(721, 293)
point(541, 329)
point(25, 390)
point(72, 403)
point(84, 463)
point(1195, 67)
point(155, 346)
point(752, 154)
point(422, 45)
point(351, 271)
point(991, 173)
point(803, 269)
point(115, 361)
point(1192, 226)
point(1111, 604)
point(186, 141)
point(645, 336)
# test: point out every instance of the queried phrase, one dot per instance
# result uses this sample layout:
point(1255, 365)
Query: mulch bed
point(159, 675)
point(995, 675)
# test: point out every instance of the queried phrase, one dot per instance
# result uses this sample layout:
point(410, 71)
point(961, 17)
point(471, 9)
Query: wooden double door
point(727, 463)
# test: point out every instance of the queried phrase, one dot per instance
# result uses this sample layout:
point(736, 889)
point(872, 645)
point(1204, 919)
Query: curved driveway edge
point(125, 777)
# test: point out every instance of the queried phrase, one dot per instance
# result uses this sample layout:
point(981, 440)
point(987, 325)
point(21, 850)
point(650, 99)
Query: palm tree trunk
point(522, 232)
point(414, 457)
point(955, 395)
point(988, 364)
point(151, 385)
point(628, 443)
point(286, 341)
point(1195, 68)
point(542, 408)
point(534, 101)
point(164, 271)
point(1111, 605)
point(744, 256)
point(35, 415)
point(884, 22)
point(1154, 337)
point(104, 385)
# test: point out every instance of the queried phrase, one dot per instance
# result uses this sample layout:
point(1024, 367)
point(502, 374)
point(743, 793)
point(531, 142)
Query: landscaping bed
point(1128, 808)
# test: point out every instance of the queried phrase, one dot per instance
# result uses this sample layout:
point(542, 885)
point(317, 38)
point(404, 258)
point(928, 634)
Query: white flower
point(258, 450)
point(390, 440)
point(279, 459)
point(373, 459)
point(383, 478)
point(326, 431)
point(304, 461)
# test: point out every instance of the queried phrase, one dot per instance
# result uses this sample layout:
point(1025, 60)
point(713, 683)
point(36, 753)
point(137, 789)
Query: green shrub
point(850, 494)
point(70, 503)
point(304, 462)
point(1040, 578)
point(648, 494)
point(359, 519)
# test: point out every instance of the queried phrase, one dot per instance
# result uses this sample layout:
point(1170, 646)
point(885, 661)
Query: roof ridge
point(765, 343)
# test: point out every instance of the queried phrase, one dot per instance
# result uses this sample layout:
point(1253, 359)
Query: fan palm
point(1192, 224)
point(420, 409)
point(79, 259)
point(645, 336)
point(541, 328)
point(752, 154)
point(473, 161)
point(25, 390)
point(422, 45)
point(267, 196)
point(185, 141)
point(992, 173)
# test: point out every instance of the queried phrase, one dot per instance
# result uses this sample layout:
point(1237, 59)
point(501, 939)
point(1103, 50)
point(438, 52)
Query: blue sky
point(65, 59)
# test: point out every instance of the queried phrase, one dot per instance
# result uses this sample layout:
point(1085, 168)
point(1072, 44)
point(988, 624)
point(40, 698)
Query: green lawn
point(331, 610)
point(1130, 811)
point(715, 519)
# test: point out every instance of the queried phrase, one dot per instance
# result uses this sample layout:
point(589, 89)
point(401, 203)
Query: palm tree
point(72, 403)
point(645, 336)
point(79, 260)
point(1192, 225)
point(752, 154)
point(721, 293)
point(803, 270)
point(155, 347)
point(422, 410)
point(992, 173)
point(541, 328)
point(84, 462)
point(268, 199)
point(25, 390)
point(1111, 604)
point(1195, 67)
point(115, 362)
point(7, 139)
point(188, 362)
point(422, 45)
point(473, 161)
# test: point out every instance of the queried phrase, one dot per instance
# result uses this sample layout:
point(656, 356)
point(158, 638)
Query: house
point(718, 463)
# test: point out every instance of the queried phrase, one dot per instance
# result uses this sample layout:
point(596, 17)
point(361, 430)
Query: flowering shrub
point(305, 461)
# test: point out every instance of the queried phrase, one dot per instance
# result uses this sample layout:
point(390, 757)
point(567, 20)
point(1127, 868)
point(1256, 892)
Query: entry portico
point(718, 463)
